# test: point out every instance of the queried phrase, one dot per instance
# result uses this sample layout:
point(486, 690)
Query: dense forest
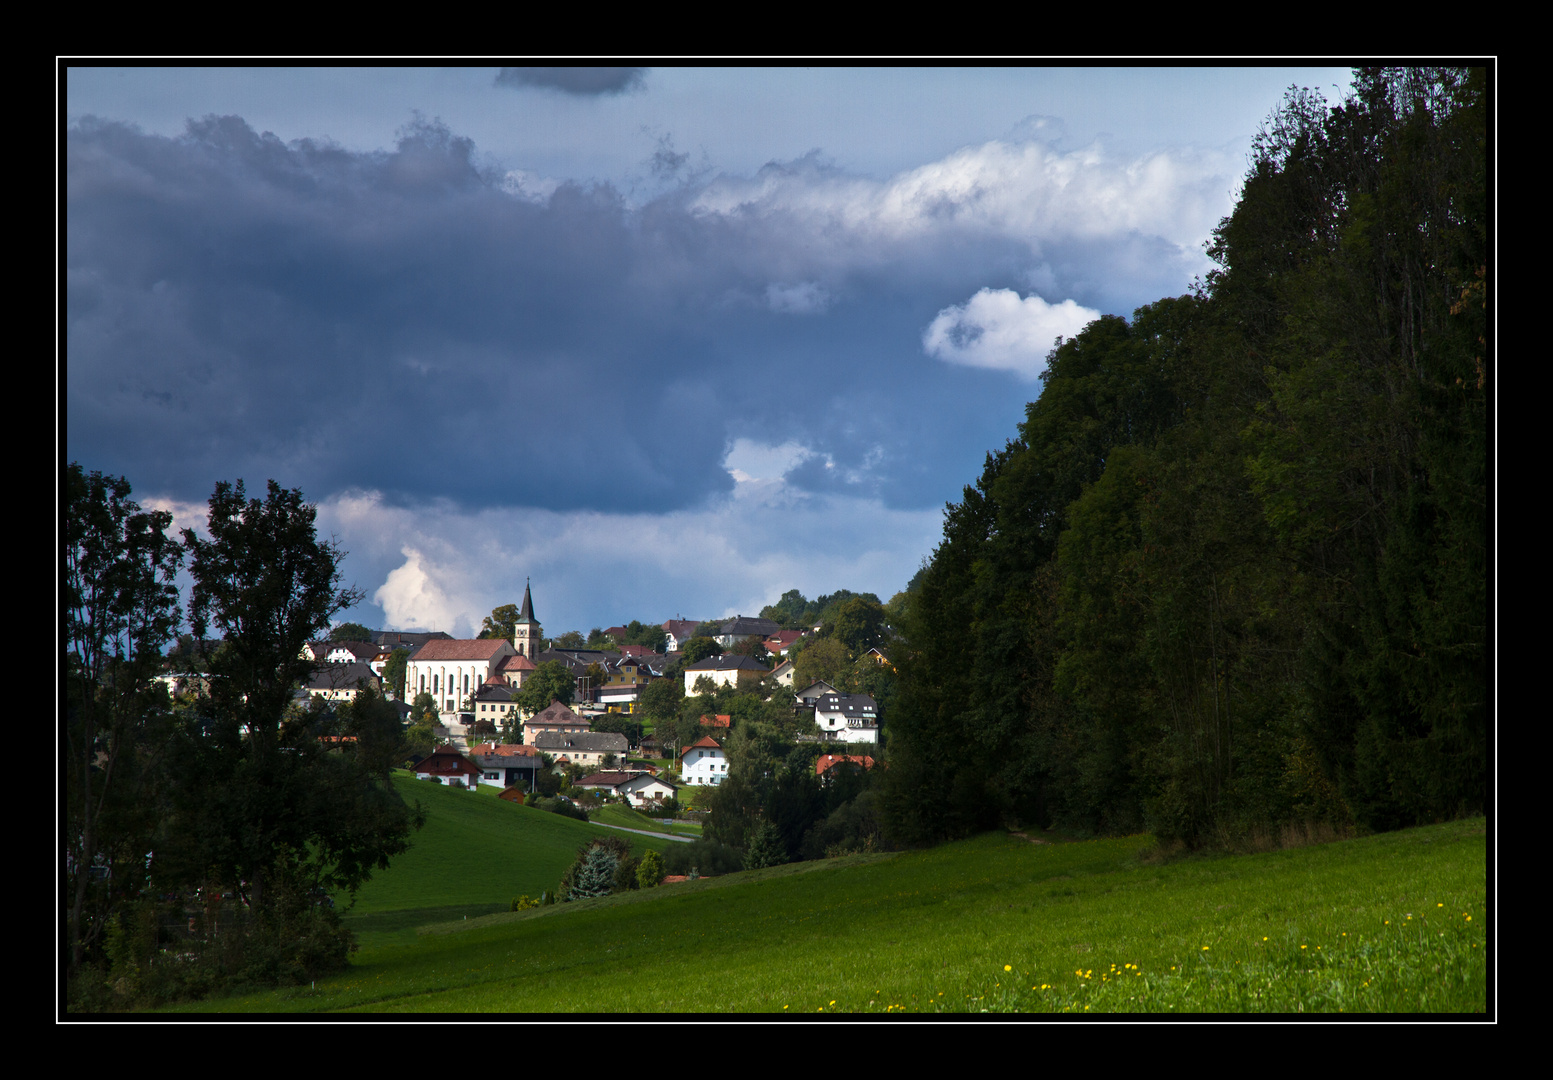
point(1232, 572)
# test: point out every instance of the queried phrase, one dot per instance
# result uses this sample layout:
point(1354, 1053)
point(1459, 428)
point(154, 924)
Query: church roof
point(526, 612)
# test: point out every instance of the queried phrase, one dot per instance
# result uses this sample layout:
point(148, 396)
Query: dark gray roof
point(591, 742)
point(407, 639)
point(342, 677)
point(852, 706)
point(577, 660)
point(728, 662)
point(744, 626)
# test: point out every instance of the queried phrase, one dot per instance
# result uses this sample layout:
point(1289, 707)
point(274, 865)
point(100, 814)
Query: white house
point(341, 682)
point(847, 718)
point(814, 691)
point(703, 763)
point(726, 670)
point(782, 674)
point(644, 790)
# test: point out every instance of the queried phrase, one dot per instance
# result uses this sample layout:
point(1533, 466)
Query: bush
point(156, 954)
point(564, 807)
point(707, 857)
point(650, 872)
point(668, 808)
point(765, 848)
point(593, 873)
point(625, 874)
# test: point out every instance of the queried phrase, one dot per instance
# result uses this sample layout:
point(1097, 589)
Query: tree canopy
point(244, 787)
point(1232, 570)
point(120, 608)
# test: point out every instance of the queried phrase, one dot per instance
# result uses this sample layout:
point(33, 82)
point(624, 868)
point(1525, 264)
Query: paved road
point(649, 832)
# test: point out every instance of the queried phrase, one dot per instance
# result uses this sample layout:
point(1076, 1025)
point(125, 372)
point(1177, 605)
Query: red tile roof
point(826, 761)
point(703, 741)
point(456, 649)
point(447, 762)
point(605, 779)
point(503, 750)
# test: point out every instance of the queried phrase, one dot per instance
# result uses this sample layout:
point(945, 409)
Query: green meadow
point(627, 818)
point(1387, 923)
point(475, 853)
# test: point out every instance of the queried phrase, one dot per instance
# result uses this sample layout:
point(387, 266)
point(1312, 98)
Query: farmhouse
point(449, 766)
point(584, 747)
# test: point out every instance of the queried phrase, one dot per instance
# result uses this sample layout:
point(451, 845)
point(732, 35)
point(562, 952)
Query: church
point(455, 672)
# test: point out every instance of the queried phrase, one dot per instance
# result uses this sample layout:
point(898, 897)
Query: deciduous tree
point(120, 608)
point(261, 802)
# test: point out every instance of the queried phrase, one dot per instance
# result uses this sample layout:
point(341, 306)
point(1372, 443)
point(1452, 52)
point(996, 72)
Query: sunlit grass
point(472, 857)
point(975, 926)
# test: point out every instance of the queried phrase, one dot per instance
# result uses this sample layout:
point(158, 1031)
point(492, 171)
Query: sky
point(665, 343)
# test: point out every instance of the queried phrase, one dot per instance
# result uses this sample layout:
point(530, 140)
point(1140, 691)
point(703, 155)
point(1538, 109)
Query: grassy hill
point(1388, 923)
point(475, 853)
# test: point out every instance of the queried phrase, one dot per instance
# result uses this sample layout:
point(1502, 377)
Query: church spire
point(526, 613)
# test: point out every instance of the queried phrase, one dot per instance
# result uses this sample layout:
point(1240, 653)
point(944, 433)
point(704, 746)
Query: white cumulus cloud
point(443, 568)
point(1026, 191)
point(998, 329)
point(412, 597)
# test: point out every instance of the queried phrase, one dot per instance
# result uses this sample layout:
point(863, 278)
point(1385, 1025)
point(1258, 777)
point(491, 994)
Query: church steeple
point(525, 633)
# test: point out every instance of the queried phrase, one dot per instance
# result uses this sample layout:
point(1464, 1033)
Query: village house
point(504, 765)
point(847, 718)
point(726, 670)
point(677, 632)
point(555, 718)
point(641, 789)
point(341, 682)
point(588, 748)
point(703, 762)
point(740, 627)
point(448, 765)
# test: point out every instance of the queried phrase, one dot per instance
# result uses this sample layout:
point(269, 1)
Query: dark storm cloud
point(412, 322)
point(582, 81)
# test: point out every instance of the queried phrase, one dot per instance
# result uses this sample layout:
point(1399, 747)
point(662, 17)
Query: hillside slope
point(1394, 922)
point(475, 853)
